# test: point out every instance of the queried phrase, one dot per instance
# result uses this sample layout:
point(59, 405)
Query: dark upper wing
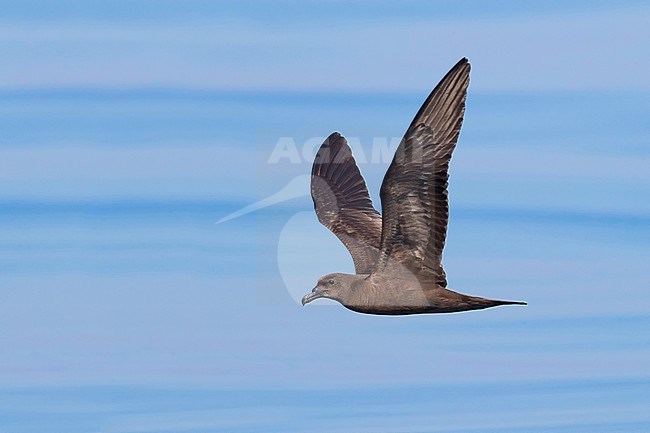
point(414, 190)
point(342, 202)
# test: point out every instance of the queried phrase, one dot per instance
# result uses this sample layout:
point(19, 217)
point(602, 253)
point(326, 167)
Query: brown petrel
point(397, 257)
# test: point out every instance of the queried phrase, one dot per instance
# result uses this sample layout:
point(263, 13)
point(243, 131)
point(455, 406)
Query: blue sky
point(324, 45)
point(129, 128)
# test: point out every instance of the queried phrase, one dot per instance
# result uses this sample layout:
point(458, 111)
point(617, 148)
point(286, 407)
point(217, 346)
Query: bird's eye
point(330, 282)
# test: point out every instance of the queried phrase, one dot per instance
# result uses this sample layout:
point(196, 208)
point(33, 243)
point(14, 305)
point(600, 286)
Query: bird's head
point(330, 286)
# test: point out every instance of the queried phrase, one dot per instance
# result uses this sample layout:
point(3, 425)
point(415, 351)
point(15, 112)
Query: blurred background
point(129, 128)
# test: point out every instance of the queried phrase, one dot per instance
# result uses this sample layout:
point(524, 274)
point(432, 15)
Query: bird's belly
point(392, 300)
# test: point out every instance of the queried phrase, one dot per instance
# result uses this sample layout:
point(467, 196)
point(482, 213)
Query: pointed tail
point(509, 303)
point(477, 303)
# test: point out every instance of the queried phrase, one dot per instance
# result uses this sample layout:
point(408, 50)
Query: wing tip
point(333, 139)
point(333, 153)
point(334, 142)
point(462, 64)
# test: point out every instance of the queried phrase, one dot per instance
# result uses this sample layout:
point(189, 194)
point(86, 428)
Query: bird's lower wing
point(342, 202)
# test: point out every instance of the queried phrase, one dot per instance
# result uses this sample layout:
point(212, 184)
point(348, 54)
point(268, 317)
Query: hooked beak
point(315, 294)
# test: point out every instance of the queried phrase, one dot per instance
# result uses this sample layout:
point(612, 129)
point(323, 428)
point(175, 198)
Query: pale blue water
point(576, 406)
point(124, 308)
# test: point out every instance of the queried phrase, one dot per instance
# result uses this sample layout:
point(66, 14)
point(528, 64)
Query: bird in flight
point(397, 256)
